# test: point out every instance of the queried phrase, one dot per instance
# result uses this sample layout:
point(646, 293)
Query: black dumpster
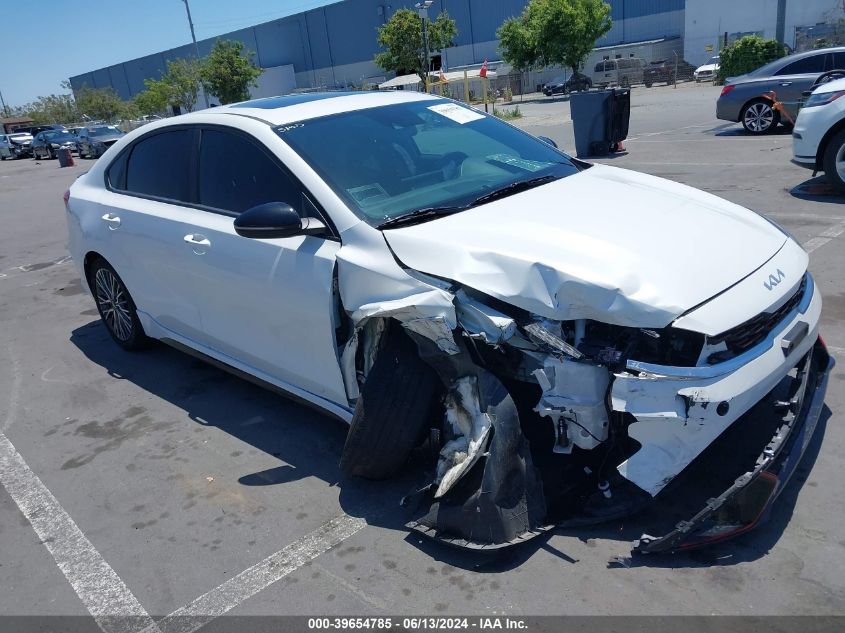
point(600, 120)
point(65, 157)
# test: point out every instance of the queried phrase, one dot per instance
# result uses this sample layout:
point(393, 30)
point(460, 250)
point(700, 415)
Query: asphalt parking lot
point(153, 484)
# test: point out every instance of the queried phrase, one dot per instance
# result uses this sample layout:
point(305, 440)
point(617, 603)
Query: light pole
point(196, 47)
point(3, 103)
point(422, 9)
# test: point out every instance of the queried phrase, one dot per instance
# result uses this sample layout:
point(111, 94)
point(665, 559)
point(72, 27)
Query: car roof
point(300, 107)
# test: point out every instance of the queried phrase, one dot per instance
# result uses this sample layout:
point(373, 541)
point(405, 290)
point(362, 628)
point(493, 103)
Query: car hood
point(111, 138)
point(706, 67)
point(607, 244)
point(21, 140)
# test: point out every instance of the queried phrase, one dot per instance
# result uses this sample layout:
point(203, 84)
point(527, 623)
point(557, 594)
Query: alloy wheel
point(759, 117)
point(113, 302)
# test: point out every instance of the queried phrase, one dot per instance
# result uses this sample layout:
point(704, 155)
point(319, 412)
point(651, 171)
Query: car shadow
point(306, 442)
point(736, 129)
point(817, 190)
point(309, 444)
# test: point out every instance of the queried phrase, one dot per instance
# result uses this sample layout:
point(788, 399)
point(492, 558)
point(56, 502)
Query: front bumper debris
point(748, 502)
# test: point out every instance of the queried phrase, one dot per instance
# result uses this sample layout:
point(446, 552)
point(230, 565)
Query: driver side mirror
point(275, 219)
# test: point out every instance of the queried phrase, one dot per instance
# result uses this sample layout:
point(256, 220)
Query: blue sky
point(48, 41)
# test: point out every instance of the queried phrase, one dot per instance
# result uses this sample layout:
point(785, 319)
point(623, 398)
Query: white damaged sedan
point(573, 341)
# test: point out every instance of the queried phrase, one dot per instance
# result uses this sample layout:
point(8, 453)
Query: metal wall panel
point(344, 34)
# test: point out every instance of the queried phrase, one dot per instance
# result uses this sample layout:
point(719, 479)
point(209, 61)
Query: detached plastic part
point(748, 503)
point(499, 502)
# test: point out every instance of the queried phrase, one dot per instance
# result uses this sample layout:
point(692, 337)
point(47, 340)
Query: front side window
point(236, 174)
point(159, 166)
point(392, 161)
point(812, 64)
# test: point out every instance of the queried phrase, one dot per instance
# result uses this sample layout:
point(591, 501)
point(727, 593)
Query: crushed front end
point(578, 422)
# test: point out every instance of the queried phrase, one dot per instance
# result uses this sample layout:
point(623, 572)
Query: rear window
point(159, 166)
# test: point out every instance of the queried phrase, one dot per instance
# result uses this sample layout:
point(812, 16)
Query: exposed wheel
point(647, 84)
point(758, 117)
point(624, 83)
point(50, 153)
point(116, 308)
point(833, 161)
point(394, 410)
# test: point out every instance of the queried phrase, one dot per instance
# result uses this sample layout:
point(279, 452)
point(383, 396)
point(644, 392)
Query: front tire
point(833, 161)
point(116, 307)
point(758, 117)
point(395, 407)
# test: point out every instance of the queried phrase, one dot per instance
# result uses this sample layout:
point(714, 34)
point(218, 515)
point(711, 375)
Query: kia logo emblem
point(774, 279)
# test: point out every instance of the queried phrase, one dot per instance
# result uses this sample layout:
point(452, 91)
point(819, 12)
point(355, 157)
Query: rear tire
point(758, 117)
point(393, 411)
point(116, 307)
point(833, 161)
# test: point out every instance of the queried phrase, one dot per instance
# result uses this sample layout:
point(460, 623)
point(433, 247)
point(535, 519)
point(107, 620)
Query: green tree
point(517, 44)
point(102, 104)
point(229, 72)
point(555, 32)
point(402, 39)
point(747, 54)
point(182, 83)
point(153, 100)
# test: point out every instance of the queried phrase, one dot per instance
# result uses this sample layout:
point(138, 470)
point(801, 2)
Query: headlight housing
point(822, 98)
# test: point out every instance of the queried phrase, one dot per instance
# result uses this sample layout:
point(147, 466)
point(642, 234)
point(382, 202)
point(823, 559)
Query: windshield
point(390, 161)
point(58, 135)
point(714, 60)
point(103, 131)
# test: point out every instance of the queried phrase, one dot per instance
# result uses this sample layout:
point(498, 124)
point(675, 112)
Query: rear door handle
point(112, 220)
point(786, 83)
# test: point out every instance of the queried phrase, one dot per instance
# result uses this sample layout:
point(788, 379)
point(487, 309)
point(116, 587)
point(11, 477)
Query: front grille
point(746, 335)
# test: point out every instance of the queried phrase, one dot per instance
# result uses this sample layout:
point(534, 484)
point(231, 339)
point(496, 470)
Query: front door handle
point(199, 243)
point(112, 220)
point(786, 83)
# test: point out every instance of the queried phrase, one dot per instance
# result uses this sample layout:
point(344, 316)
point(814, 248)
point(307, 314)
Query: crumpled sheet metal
point(491, 326)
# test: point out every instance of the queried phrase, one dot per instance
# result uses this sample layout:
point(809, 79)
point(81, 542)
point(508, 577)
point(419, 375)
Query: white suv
point(818, 139)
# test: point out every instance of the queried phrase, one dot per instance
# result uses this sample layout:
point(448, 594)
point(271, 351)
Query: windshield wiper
point(420, 215)
point(514, 187)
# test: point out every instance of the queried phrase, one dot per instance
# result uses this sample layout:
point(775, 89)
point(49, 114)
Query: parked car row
point(803, 93)
point(623, 72)
point(44, 141)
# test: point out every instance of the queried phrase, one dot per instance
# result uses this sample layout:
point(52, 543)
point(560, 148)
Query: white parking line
point(826, 236)
point(249, 582)
point(101, 590)
point(836, 351)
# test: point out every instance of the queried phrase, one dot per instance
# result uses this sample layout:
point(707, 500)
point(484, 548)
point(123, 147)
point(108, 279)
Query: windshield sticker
point(368, 194)
point(521, 163)
point(457, 113)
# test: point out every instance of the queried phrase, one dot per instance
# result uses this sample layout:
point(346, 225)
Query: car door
point(140, 226)
point(796, 77)
point(268, 303)
point(82, 142)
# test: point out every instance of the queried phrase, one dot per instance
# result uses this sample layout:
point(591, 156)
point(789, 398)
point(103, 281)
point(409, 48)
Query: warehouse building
point(333, 46)
point(710, 24)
